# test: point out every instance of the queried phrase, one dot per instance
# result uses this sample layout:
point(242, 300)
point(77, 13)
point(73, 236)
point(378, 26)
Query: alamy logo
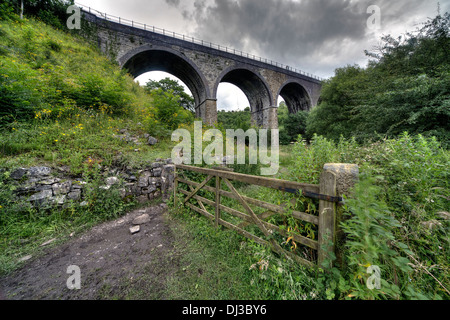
point(214, 152)
point(374, 21)
point(374, 281)
point(74, 21)
point(74, 281)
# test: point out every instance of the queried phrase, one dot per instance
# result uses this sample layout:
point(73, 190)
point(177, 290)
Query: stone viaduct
point(203, 66)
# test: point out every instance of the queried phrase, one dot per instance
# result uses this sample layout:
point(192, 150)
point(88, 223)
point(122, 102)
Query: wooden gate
point(325, 221)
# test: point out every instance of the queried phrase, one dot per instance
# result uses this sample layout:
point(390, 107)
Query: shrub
point(169, 111)
point(397, 218)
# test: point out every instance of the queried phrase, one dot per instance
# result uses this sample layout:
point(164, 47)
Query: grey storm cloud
point(173, 2)
point(293, 31)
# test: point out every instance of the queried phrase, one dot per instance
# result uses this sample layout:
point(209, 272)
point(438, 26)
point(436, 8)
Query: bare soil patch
point(113, 262)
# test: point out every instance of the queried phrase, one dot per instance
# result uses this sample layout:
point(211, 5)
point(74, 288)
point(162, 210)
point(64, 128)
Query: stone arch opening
point(231, 98)
point(144, 60)
point(296, 97)
point(255, 89)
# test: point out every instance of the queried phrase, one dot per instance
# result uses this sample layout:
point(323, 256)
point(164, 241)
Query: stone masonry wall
point(42, 186)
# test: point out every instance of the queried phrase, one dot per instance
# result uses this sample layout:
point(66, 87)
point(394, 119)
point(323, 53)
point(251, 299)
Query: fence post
point(217, 201)
point(327, 219)
point(337, 180)
point(347, 176)
point(175, 186)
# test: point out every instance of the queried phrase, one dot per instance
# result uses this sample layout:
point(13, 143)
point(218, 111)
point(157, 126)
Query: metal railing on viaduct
point(183, 37)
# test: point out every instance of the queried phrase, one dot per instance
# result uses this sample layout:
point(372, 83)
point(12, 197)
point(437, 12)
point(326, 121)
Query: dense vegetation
point(406, 87)
point(290, 125)
point(235, 119)
point(168, 85)
point(62, 103)
point(398, 217)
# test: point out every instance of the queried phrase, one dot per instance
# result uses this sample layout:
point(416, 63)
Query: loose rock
point(152, 141)
point(112, 181)
point(135, 229)
point(145, 218)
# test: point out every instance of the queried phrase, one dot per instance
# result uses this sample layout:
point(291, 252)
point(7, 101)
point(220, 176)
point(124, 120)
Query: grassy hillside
point(62, 101)
point(63, 104)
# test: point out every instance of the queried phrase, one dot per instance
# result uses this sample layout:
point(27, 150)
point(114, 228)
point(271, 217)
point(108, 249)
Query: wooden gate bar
point(275, 208)
point(198, 188)
point(313, 244)
point(256, 180)
point(200, 203)
point(217, 204)
point(262, 216)
point(327, 217)
point(175, 188)
point(275, 246)
point(243, 232)
point(201, 211)
point(325, 221)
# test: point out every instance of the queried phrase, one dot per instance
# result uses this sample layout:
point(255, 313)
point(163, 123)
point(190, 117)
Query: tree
point(168, 110)
point(417, 52)
point(235, 119)
point(405, 87)
point(336, 114)
point(291, 125)
point(168, 85)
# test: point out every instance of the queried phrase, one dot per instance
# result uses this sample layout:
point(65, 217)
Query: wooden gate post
point(217, 216)
point(327, 219)
point(175, 186)
point(347, 175)
point(330, 214)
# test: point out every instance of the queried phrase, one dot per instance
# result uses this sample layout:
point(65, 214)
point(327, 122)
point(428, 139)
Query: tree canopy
point(173, 86)
point(405, 87)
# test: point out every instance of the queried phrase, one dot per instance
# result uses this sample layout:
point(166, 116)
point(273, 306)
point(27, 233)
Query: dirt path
point(112, 262)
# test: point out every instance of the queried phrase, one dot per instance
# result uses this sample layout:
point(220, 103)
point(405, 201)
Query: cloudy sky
point(316, 36)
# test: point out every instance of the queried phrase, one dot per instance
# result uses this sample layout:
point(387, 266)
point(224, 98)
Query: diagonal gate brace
point(198, 188)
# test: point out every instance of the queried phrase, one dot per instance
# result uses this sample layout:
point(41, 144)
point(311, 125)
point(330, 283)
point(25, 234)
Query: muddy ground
point(112, 261)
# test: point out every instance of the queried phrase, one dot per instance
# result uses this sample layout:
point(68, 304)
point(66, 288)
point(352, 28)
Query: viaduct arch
point(203, 66)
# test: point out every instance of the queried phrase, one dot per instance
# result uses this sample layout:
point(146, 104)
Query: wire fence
point(183, 37)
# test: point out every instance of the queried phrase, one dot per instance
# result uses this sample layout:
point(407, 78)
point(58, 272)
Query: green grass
point(63, 104)
point(218, 264)
point(403, 191)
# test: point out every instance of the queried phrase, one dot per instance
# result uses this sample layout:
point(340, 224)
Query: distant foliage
point(291, 125)
point(167, 85)
point(406, 87)
point(51, 12)
point(169, 112)
point(235, 119)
